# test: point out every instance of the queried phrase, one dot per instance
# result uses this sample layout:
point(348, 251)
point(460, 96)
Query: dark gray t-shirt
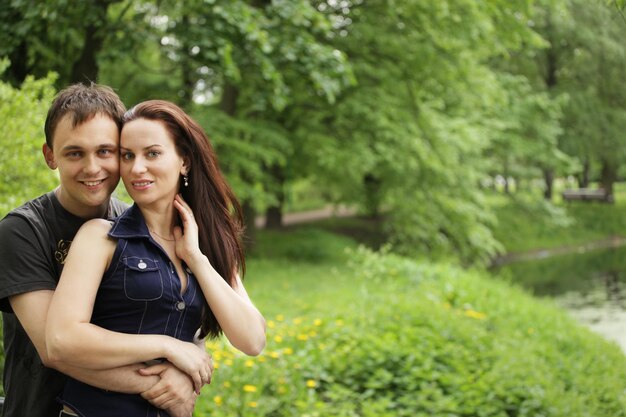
point(34, 241)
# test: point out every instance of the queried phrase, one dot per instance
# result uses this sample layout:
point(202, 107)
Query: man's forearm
point(124, 379)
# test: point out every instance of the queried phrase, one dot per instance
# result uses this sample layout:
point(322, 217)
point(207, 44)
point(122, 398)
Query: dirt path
point(311, 215)
point(611, 242)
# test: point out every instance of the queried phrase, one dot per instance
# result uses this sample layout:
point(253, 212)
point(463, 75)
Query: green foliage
point(400, 108)
point(245, 148)
point(422, 339)
point(260, 50)
point(22, 114)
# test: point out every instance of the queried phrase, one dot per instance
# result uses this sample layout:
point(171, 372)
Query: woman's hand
point(196, 363)
point(187, 246)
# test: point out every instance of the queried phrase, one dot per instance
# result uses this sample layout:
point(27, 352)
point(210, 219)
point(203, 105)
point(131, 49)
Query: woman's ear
point(49, 156)
point(184, 170)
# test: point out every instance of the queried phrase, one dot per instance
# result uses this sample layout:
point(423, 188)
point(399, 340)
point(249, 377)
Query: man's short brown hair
point(83, 102)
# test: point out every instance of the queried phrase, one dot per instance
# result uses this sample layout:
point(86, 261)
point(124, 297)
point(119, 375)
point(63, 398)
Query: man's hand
point(174, 392)
point(183, 410)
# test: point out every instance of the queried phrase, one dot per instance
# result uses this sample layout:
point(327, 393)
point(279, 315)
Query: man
point(82, 139)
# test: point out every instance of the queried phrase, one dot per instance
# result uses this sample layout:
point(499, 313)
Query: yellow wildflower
point(226, 384)
point(249, 363)
point(218, 400)
point(278, 339)
point(271, 324)
point(249, 388)
point(312, 333)
point(297, 320)
point(475, 314)
point(261, 359)
point(228, 362)
point(317, 322)
point(288, 351)
point(280, 317)
point(311, 383)
point(282, 389)
point(253, 404)
point(302, 337)
point(274, 355)
point(339, 322)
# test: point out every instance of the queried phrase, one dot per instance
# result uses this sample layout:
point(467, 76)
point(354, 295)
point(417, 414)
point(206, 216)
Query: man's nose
point(92, 166)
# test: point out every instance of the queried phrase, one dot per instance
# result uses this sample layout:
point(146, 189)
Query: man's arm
point(173, 385)
point(31, 309)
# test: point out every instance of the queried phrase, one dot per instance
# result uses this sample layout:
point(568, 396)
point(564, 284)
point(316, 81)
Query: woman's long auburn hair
point(215, 207)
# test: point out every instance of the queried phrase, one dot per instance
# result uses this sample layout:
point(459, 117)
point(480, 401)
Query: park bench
point(587, 194)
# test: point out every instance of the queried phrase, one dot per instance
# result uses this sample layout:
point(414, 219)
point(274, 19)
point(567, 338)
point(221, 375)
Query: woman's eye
point(153, 154)
point(127, 156)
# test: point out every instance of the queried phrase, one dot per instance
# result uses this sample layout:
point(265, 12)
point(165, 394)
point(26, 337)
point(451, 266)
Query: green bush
point(22, 114)
point(419, 340)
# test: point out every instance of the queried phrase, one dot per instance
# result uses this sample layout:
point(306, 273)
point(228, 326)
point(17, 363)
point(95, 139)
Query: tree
point(409, 138)
point(65, 37)
point(593, 79)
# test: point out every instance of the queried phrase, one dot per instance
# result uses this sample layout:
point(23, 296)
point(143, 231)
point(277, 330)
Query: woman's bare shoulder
point(95, 228)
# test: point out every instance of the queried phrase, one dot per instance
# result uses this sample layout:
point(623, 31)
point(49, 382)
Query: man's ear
point(49, 156)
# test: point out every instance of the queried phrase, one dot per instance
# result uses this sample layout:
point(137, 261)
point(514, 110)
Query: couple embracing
point(105, 307)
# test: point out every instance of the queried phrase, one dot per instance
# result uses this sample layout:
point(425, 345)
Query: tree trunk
point(548, 176)
point(86, 68)
point(608, 177)
point(188, 83)
point(228, 104)
point(274, 214)
point(583, 177)
point(19, 68)
point(372, 185)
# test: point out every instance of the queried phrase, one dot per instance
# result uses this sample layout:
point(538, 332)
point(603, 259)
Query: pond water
point(591, 285)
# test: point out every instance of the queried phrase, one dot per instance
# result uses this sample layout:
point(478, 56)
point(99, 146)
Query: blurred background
point(433, 190)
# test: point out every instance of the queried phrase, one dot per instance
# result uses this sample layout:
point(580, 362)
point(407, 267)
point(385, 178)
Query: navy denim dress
point(140, 293)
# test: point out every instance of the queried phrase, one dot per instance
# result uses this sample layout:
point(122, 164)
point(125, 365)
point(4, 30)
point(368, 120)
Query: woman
point(166, 267)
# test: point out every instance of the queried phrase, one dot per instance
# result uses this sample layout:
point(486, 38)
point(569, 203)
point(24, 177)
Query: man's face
point(88, 161)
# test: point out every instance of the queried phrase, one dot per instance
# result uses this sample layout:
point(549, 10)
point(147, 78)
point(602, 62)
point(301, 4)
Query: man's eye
point(73, 154)
point(105, 151)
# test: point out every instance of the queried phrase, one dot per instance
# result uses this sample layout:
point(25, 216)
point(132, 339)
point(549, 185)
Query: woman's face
point(150, 165)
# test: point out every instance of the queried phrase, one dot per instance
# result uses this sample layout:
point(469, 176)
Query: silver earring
point(186, 180)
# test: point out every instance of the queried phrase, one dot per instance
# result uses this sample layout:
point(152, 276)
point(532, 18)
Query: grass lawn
point(526, 222)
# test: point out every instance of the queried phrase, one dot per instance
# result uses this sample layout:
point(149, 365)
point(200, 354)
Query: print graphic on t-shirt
point(62, 248)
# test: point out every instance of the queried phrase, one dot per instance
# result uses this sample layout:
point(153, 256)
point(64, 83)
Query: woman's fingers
point(183, 208)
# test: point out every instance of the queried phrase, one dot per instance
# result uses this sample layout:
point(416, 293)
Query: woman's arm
point(242, 323)
point(72, 339)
